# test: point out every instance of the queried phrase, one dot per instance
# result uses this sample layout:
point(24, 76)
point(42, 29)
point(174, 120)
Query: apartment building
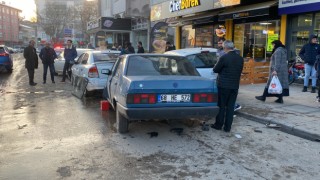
point(9, 25)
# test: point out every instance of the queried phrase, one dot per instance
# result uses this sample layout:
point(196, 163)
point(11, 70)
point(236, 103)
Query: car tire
point(122, 123)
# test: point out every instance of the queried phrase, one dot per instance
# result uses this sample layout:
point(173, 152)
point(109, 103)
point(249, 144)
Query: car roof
point(104, 51)
point(190, 51)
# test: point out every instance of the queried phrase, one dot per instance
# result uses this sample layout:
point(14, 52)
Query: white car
point(59, 62)
point(202, 58)
point(91, 65)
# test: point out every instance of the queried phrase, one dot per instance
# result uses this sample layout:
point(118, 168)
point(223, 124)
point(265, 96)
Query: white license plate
point(174, 98)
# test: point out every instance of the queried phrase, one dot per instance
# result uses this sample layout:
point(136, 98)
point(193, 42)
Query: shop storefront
point(254, 27)
point(194, 21)
point(106, 31)
point(303, 19)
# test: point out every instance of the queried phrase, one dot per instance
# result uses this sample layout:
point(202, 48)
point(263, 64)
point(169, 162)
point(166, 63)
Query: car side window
point(80, 58)
point(85, 58)
point(117, 68)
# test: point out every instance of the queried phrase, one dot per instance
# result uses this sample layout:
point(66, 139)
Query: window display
point(254, 39)
point(204, 36)
point(187, 37)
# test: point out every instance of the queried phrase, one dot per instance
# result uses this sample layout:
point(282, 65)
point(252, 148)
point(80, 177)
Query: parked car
point(158, 86)
point(90, 65)
point(59, 62)
point(6, 60)
point(202, 58)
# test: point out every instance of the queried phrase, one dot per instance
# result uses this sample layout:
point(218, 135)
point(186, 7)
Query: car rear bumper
point(168, 112)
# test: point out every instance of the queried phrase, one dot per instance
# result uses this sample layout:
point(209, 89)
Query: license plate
point(174, 98)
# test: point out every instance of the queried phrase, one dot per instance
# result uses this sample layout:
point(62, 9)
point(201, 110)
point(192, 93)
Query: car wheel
point(122, 124)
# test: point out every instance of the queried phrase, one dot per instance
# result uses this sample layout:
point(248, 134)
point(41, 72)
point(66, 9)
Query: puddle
point(31, 92)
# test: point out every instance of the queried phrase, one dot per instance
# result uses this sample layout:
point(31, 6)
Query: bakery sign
point(93, 24)
point(177, 5)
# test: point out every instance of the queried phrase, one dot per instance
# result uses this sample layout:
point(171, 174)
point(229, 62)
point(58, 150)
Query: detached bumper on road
point(168, 112)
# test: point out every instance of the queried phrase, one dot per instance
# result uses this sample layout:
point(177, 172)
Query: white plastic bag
point(275, 86)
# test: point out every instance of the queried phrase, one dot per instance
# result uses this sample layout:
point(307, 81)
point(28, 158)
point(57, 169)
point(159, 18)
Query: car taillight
point(141, 99)
point(4, 54)
point(204, 98)
point(93, 72)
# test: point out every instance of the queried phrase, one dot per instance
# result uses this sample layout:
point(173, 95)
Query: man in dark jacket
point(169, 46)
point(140, 48)
point(47, 55)
point(30, 54)
point(229, 68)
point(129, 49)
point(70, 53)
point(308, 54)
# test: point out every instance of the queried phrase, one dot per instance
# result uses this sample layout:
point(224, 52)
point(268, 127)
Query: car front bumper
point(168, 112)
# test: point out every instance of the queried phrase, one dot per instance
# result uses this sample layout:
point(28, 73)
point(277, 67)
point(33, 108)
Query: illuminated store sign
point(183, 4)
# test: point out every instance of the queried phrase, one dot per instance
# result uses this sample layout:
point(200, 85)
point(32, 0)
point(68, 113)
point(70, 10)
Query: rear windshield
point(2, 50)
point(160, 65)
point(98, 57)
point(203, 60)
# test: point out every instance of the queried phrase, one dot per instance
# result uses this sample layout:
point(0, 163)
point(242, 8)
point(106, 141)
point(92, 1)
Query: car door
point(115, 77)
point(83, 69)
point(75, 67)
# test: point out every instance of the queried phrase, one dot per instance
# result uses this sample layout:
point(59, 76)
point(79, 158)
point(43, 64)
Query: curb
point(284, 128)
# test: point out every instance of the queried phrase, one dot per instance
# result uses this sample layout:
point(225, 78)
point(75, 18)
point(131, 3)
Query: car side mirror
point(106, 71)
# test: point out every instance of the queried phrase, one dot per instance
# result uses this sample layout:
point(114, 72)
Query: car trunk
point(103, 66)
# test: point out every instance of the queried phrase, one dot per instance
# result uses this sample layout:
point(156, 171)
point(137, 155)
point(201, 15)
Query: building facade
point(303, 19)
point(135, 13)
point(9, 25)
point(251, 25)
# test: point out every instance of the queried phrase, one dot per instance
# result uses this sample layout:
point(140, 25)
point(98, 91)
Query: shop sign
point(298, 6)
point(245, 14)
point(183, 4)
point(220, 31)
point(158, 37)
point(93, 24)
point(271, 38)
point(115, 24)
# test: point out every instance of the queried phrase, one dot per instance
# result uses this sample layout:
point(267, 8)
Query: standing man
point(308, 54)
point(70, 53)
point(30, 54)
point(221, 52)
point(47, 55)
point(140, 48)
point(229, 68)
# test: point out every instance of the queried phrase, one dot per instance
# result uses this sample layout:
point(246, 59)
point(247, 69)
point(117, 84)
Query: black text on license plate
point(174, 98)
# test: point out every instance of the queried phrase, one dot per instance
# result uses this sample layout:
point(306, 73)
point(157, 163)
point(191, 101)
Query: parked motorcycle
point(295, 69)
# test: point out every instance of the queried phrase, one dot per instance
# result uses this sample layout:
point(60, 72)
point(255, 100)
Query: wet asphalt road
point(47, 133)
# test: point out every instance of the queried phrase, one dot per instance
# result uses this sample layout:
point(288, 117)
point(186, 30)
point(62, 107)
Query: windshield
point(105, 56)
point(203, 60)
point(160, 65)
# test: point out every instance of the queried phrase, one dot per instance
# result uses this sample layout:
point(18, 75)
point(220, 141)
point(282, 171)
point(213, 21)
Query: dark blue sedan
point(158, 86)
point(5, 59)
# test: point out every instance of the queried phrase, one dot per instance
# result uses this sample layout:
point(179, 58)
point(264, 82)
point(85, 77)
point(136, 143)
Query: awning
point(253, 10)
point(195, 19)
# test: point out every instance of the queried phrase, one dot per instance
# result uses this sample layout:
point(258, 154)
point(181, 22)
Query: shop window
point(253, 40)
point(187, 37)
point(204, 36)
point(317, 24)
point(305, 20)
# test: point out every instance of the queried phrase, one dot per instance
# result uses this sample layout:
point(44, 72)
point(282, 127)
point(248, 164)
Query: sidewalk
point(299, 115)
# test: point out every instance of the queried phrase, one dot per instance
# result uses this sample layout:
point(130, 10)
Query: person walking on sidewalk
point(278, 67)
point(317, 67)
point(221, 52)
point(308, 54)
point(30, 54)
point(47, 55)
point(70, 53)
point(229, 68)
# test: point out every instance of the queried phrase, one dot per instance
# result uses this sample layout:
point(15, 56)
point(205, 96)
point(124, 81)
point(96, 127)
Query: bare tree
point(86, 12)
point(54, 18)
